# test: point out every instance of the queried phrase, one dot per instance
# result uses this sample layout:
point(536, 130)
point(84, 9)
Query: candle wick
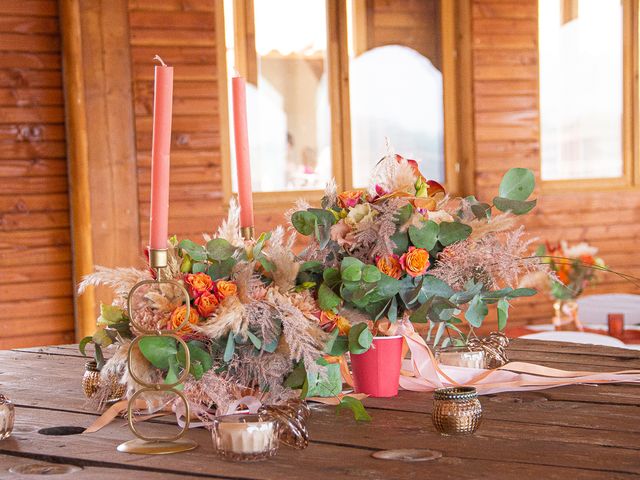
point(157, 57)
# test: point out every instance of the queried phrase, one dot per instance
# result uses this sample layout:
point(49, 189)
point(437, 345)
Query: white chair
point(593, 309)
point(577, 337)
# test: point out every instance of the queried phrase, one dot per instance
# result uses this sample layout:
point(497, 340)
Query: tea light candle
point(460, 357)
point(245, 437)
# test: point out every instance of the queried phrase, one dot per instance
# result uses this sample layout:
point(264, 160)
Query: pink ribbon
point(422, 373)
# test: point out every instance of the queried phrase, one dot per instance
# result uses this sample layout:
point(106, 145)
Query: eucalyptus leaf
point(158, 350)
point(230, 348)
point(401, 242)
point(371, 274)
point(476, 312)
point(222, 269)
point(517, 184)
point(327, 298)
point(83, 344)
point(220, 249)
point(503, 313)
point(517, 207)
point(255, 340)
point(356, 335)
point(195, 251)
point(453, 232)
point(481, 210)
point(523, 292)
point(199, 267)
point(426, 236)
point(351, 269)
point(304, 222)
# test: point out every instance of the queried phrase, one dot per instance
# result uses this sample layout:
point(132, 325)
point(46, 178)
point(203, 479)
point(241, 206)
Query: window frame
point(457, 101)
point(630, 178)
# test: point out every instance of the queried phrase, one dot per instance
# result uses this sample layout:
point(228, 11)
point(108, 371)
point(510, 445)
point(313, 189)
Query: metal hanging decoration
point(153, 445)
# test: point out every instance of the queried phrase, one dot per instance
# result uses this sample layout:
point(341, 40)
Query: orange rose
point(207, 303)
point(198, 283)
point(329, 321)
point(587, 259)
point(178, 316)
point(225, 289)
point(389, 265)
point(563, 276)
point(349, 199)
point(415, 262)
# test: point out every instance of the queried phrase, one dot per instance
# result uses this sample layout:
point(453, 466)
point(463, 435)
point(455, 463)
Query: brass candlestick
point(146, 444)
point(248, 232)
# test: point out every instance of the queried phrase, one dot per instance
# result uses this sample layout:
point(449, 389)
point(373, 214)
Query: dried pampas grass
point(230, 228)
point(393, 175)
point(279, 250)
point(121, 280)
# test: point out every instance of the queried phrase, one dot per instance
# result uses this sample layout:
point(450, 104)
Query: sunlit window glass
point(289, 133)
point(581, 88)
point(396, 85)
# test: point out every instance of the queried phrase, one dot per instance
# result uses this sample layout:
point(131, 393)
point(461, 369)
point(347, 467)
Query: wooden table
point(578, 432)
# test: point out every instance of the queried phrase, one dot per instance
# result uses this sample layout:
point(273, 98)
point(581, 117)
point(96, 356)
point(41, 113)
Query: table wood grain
point(580, 432)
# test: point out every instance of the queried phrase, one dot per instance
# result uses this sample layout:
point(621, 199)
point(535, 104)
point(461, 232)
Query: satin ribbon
point(422, 373)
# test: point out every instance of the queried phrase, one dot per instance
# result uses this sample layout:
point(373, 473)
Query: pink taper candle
point(160, 149)
point(243, 164)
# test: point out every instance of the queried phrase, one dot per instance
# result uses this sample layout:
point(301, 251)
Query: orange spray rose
point(207, 303)
point(389, 265)
point(178, 316)
point(225, 289)
point(198, 283)
point(415, 262)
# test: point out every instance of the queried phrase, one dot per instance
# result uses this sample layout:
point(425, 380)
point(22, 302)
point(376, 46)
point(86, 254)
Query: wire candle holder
point(157, 445)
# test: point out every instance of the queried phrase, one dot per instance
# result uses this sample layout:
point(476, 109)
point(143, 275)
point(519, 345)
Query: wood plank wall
point(183, 33)
point(36, 305)
point(506, 116)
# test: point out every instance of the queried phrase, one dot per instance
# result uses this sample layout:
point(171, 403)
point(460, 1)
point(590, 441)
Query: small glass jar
point(456, 410)
point(245, 437)
point(7, 417)
point(92, 381)
point(461, 357)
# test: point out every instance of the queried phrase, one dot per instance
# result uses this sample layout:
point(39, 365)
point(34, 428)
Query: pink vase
point(376, 372)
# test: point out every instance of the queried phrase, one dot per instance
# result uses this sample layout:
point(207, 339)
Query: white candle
point(245, 437)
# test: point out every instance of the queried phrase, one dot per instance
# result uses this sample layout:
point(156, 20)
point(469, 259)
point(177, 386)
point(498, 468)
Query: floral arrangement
point(403, 249)
point(253, 327)
point(574, 266)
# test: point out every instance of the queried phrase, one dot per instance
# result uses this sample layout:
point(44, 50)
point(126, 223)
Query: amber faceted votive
point(456, 410)
point(7, 417)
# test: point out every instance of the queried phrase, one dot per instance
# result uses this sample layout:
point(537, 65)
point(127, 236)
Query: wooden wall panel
point(507, 134)
point(36, 305)
point(182, 32)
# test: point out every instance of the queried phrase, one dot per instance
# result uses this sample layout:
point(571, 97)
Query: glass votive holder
point(456, 410)
point(7, 417)
point(245, 437)
point(461, 357)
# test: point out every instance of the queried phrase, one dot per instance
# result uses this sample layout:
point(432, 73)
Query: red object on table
point(616, 324)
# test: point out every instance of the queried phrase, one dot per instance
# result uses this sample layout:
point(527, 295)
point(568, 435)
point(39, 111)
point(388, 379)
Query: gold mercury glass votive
point(92, 381)
point(245, 437)
point(456, 410)
point(7, 417)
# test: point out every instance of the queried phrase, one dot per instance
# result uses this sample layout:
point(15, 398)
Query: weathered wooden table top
point(577, 432)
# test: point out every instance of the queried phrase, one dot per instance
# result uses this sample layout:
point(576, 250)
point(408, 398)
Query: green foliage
point(517, 184)
point(453, 232)
point(426, 236)
point(191, 248)
point(351, 269)
point(327, 298)
point(517, 207)
point(476, 311)
point(360, 338)
point(325, 384)
point(219, 249)
point(230, 348)
point(157, 350)
point(356, 406)
point(503, 313)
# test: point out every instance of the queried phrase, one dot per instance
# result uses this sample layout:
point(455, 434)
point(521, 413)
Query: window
point(587, 105)
point(328, 81)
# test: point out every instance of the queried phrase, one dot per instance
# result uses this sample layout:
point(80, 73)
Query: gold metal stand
point(157, 445)
point(248, 232)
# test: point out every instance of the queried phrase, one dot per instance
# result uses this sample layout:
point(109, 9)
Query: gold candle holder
point(248, 232)
point(456, 410)
point(143, 444)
